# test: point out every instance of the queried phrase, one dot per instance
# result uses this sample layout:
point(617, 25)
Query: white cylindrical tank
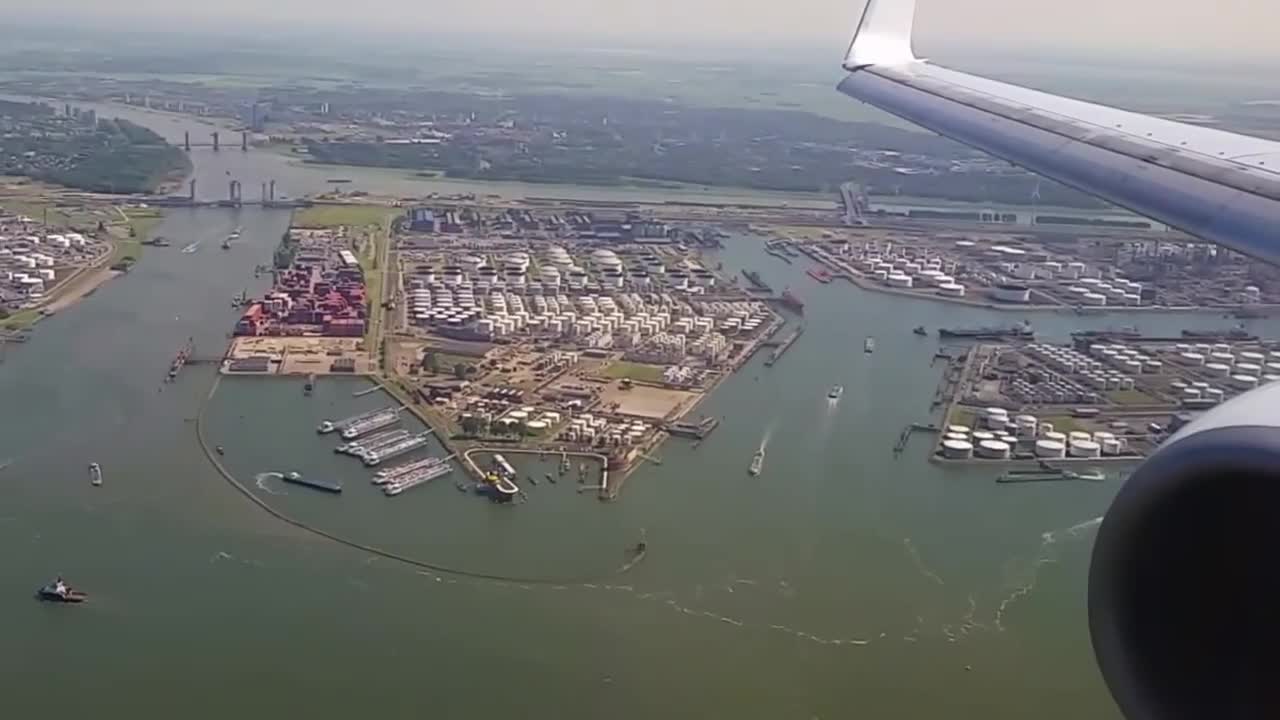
point(953, 290)
point(1191, 358)
point(1110, 446)
point(1249, 369)
point(980, 435)
point(962, 429)
point(1056, 437)
point(957, 449)
point(993, 450)
point(1050, 449)
point(1217, 369)
point(898, 280)
point(1244, 382)
point(1011, 293)
point(1093, 298)
point(1085, 449)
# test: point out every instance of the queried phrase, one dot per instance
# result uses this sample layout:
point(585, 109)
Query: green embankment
point(634, 371)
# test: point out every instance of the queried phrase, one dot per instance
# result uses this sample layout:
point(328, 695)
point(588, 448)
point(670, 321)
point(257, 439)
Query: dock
point(325, 485)
point(415, 479)
point(784, 346)
point(695, 431)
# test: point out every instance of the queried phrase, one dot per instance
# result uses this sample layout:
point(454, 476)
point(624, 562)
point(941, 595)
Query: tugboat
point(95, 474)
point(921, 331)
point(836, 392)
point(59, 591)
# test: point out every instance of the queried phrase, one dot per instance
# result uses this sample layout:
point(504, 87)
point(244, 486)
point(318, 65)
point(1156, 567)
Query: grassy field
point(332, 216)
point(634, 371)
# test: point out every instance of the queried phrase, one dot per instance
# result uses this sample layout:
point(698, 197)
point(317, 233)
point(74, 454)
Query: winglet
point(883, 36)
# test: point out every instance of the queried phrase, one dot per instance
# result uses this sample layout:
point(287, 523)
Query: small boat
point(59, 591)
point(757, 462)
point(95, 474)
point(836, 392)
point(226, 244)
point(921, 331)
point(869, 346)
point(529, 479)
point(221, 450)
point(294, 476)
point(550, 478)
point(326, 427)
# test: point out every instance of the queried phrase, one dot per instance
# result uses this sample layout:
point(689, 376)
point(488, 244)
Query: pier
point(784, 346)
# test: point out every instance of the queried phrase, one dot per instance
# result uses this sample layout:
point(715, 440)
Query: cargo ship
point(180, 359)
point(822, 275)
point(325, 485)
point(755, 280)
point(1017, 332)
point(1232, 334)
point(791, 302)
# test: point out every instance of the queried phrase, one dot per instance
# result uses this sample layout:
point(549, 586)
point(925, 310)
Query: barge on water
point(325, 485)
point(396, 450)
point(386, 418)
point(421, 477)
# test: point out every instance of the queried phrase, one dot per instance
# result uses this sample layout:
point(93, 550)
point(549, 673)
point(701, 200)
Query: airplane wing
point(1219, 186)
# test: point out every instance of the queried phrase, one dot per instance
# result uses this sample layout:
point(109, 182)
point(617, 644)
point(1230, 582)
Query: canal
point(841, 580)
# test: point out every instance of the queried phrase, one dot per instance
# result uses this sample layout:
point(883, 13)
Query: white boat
point(869, 346)
point(326, 427)
point(757, 462)
point(836, 392)
point(95, 474)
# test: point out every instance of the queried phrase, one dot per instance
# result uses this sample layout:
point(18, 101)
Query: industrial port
point(571, 346)
point(1103, 397)
point(1040, 270)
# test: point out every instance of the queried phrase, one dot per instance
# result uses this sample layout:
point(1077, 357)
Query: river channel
point(840, 582)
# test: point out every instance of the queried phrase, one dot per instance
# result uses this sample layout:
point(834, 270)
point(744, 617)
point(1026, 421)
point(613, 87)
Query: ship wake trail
point(1047, 554)
point(914, 554)
point(260, 480)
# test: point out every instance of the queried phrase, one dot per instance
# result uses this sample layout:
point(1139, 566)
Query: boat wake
point(1045, 555)
point(261, 481)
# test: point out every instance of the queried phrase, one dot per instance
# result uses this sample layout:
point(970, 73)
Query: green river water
point(840, 583)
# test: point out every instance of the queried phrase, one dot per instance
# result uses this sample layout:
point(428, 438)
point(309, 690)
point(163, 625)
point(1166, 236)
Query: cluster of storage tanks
point(1243, 370)
point(499, 313)
point(904, 273)
point(1000, 435)
point(602, 270)
point(535, 422)
point(1096, 292)
point(591, 430)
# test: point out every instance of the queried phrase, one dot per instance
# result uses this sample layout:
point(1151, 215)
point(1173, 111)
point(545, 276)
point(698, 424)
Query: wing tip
point(883, 35)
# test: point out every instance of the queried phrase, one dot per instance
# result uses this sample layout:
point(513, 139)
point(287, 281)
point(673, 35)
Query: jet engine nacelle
point(1184, 588)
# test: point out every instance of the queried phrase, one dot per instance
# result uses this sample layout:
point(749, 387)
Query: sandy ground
point(648, 402)
point(303, 355)
point(79, 287)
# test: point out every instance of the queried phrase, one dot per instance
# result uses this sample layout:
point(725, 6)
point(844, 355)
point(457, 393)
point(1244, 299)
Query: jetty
point(784, 346)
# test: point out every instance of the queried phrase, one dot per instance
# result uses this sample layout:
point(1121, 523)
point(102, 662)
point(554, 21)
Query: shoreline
point(844, 272)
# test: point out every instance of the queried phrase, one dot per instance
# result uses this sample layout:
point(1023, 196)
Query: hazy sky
point(1244, 27)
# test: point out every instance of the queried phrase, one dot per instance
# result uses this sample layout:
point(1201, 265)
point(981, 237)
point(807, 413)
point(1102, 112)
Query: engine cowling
point(1184, 586)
